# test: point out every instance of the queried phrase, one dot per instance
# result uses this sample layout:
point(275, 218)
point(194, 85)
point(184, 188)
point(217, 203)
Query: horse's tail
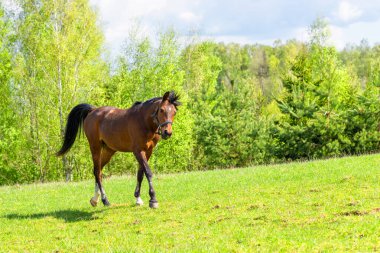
point(74, 123)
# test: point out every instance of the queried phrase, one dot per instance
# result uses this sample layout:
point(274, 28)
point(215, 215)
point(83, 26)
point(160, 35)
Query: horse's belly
point(115, 137)
point(117, 142)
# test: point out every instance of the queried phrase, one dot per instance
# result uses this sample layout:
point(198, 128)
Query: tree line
point(242, 104)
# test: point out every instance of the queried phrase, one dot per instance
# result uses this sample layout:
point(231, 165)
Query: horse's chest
point(150, 144)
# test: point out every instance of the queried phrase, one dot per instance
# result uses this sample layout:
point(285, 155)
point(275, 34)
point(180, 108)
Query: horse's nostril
point(167, 133)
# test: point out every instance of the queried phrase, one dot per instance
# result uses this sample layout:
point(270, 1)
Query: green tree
point(202, 67)
point(319, 93)
point(58, 65)
point(10, 141)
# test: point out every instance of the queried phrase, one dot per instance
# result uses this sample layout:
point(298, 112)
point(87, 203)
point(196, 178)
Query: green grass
point(329, 205)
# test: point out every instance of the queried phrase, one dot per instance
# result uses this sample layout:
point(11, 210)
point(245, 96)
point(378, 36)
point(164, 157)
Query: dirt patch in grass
point(360, 213)
point(354, 213)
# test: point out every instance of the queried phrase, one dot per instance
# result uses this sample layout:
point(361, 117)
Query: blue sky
point(241, 21)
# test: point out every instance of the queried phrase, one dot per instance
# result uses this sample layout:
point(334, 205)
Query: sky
point(240, 21)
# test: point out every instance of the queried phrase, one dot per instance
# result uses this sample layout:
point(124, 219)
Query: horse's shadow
point(68, 215)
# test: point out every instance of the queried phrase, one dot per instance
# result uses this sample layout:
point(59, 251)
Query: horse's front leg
point(142, 159)
point(140, 176)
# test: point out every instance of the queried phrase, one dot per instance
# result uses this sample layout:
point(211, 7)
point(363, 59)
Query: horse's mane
point(173, 99)
point(136, 103)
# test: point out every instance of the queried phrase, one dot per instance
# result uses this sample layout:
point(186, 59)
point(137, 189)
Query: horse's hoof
point(139, 201)
point(153, 205)
point(93, 202)
point(106, 202)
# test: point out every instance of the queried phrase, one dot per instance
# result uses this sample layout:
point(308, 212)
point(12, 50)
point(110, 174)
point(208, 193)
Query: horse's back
point(95, 118)
point(110, 126)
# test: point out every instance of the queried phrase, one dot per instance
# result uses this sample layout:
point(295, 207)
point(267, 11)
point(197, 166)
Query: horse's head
point(165, 113)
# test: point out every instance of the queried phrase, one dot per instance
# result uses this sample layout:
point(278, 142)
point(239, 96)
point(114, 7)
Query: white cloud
point(337, 36)
point(347, 11)
point(241, 21)
point(190, 17)
point(354, 33)
point(300, 33)
point(229, 39)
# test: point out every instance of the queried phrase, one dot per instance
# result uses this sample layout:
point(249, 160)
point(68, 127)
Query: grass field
point(329, 205)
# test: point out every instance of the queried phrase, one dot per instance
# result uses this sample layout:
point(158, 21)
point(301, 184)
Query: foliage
point(242, 104)
point(10, 161)
point(320, 107)
point(56, 65)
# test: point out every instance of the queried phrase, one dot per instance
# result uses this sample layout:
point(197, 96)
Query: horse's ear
point(166, 96)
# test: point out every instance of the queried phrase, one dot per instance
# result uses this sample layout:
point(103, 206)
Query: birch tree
point(58, 65)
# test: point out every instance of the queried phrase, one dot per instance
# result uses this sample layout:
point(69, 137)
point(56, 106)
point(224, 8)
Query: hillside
point(327, 205)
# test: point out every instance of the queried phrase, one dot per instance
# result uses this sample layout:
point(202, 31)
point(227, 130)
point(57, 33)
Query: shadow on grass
point(66, 215)
point(69, 215)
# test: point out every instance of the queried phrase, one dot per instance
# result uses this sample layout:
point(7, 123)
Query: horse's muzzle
point(166, 135)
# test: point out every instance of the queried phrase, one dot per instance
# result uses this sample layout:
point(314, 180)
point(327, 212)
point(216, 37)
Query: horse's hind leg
point(96, 158)
point(100, 159)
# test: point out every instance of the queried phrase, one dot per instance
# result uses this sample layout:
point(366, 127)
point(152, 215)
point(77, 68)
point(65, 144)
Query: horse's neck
point(146, 114)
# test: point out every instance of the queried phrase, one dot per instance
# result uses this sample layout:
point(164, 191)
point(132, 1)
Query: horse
point(136, 129)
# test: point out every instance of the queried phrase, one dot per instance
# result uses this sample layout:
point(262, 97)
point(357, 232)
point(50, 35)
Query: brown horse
point(137, 130)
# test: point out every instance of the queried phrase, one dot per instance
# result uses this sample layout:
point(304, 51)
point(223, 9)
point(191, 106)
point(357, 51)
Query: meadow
point(327, 205)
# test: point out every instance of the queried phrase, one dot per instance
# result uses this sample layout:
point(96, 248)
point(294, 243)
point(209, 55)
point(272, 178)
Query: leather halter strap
point(160, 125)
point(159, 131)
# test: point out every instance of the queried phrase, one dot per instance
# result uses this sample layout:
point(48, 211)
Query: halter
point(156, 121)
point(161, 125)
